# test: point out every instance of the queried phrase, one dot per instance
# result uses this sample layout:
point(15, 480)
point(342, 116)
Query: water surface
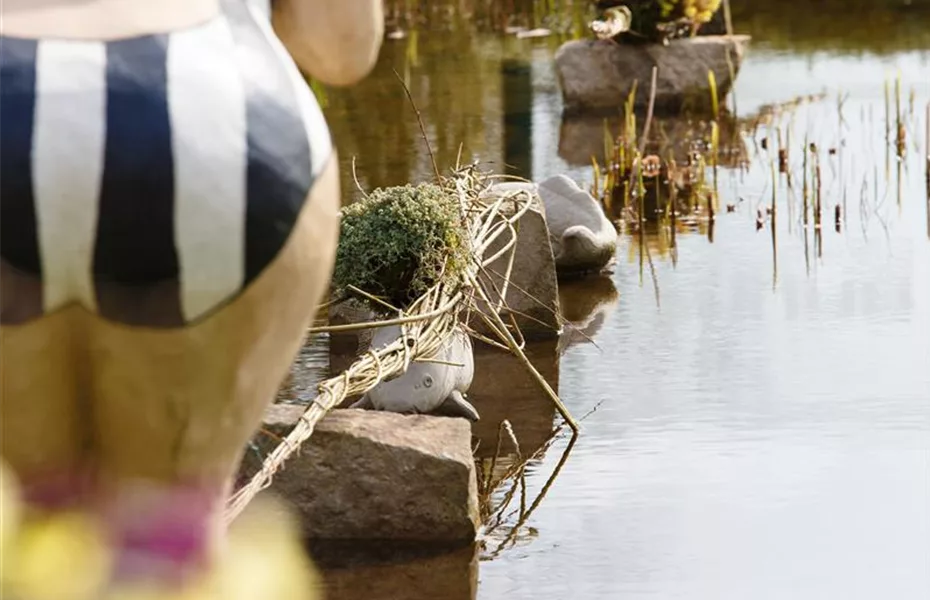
point(762, 422)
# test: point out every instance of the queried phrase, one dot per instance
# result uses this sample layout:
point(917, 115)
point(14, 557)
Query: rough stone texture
point(367, 475)
point(533, 296)
point(597, 75)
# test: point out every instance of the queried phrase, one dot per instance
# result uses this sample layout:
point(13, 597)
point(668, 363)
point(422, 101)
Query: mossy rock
point(397, 242)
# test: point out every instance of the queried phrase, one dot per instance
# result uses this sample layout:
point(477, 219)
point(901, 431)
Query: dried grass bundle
point(428, 320)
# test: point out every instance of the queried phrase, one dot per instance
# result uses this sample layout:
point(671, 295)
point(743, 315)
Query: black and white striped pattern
point(152, 178)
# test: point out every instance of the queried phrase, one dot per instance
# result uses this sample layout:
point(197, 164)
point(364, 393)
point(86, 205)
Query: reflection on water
point(452, 575)
point(585, 306)
point(582, 137)
point(504, 389)
point(849, 27)
point(763, 384)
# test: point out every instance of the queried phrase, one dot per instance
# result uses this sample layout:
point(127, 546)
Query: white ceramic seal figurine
point(583, 238)
point(436, 386)
point(169, 195)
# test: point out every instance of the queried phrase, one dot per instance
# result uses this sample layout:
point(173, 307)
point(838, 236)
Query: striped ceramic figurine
point(168, 222)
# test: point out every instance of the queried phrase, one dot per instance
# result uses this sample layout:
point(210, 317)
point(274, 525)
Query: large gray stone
point(596, 76)
point(533, 296)
point(366, 475)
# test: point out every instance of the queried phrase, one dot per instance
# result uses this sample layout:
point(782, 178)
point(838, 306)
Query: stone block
point(533, 296)
point(367, 475)
point(596, 76)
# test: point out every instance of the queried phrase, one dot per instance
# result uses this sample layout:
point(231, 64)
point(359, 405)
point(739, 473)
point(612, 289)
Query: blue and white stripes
point(152, 178)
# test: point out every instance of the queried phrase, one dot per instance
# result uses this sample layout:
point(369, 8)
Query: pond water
point(760, 394)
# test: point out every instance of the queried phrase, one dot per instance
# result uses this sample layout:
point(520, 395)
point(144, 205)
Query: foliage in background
point(397, 242)
point(658, 20)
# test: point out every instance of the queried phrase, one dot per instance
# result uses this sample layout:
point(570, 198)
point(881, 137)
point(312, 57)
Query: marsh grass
point(807, 168)
point(927, 167)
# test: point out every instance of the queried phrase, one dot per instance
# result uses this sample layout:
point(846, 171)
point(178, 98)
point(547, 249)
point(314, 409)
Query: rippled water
point(762, 422)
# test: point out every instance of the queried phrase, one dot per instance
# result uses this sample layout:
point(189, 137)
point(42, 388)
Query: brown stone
point(370, 475)
point(596, 76)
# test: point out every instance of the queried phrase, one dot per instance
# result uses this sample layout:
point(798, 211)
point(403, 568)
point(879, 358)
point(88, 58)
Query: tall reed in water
point(714, 150)
point(774, 225)
point(901, 133)
point(927, 142)
point(817, 187)
point(714, 99)
point(805, 187)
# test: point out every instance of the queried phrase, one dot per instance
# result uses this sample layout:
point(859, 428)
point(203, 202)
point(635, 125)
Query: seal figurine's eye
point(428, 381)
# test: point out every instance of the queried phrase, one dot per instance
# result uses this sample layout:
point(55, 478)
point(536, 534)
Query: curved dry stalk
point(425, 327)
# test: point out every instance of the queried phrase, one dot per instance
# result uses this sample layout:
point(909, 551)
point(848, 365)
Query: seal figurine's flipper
point(457, 406)
point(364, 403)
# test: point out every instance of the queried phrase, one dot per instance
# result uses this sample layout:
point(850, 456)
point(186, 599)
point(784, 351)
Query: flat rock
point(366, 475)
point(596, 76)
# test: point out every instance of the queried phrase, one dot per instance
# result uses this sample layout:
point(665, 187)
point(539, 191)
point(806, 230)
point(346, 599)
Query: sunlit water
point(763, 415)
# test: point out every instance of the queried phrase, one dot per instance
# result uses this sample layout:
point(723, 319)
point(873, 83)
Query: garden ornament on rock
point(436, 385)
point(583, 238)
point(169, 195)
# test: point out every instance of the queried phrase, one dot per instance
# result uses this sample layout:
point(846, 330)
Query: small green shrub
point(396, 243)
